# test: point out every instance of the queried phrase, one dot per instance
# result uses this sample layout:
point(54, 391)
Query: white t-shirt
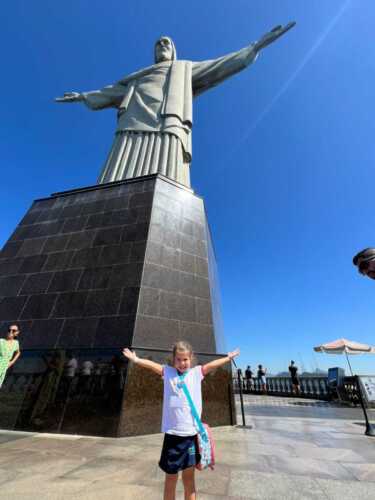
point(177, 417)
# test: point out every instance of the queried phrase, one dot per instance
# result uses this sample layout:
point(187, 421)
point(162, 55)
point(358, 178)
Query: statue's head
point(165, 49)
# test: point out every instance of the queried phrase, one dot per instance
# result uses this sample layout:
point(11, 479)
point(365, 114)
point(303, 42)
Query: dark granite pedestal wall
point(90, 271)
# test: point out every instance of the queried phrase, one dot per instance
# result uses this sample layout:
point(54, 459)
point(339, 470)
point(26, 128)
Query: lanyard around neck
point(182, 385)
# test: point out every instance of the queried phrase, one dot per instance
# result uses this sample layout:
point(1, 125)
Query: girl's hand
point(233, 354)
point(131, 355)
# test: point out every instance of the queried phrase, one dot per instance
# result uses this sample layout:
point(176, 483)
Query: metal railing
point(310, 387)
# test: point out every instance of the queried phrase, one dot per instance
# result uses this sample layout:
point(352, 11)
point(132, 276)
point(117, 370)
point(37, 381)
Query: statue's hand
point(273, 35)
point(70, 97)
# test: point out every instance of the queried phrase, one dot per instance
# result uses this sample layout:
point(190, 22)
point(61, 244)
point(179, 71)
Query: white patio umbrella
point(344, 346)
point(341, 346)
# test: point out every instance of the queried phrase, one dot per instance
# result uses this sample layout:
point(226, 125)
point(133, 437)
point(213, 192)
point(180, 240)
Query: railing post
point(241, 397)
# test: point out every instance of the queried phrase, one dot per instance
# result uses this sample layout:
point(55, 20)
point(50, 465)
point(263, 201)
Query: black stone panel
point(11, 285)
point(36, 283)
point(98, 220)
point(70, 305)
point(39, 306)
point(149, 302)
point(11, 307)
point(31, 247)
point(135, 232)
point(102, 302)
point(123, 217)
point(126, 275)
point(49, 215)
point(129, 301)
point(203, 311)
point(32, 264)
point(10, 266)
point(116, 254)
point(181, 307)
point(117, 203)
point(56, 243)
point(78, 333)
point(58, 261)
point(93, 207)
point(74, 224)
point(115, 331)
point(64, 281)
point(45, 333)
point(188, 263)
point(156, 332)
point(137, 252)
point(10, 249)
point(30, 218)
point(110, 236)
point(203, 335)
point(95, 277)
point(79, 240)
point(86, 257)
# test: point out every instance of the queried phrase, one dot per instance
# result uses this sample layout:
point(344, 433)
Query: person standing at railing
point(295, 380)
point(262, 378)
point(9, 351)
point(240, 378)
point(249, 378)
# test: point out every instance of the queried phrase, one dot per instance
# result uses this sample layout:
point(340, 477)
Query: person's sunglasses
point(13, 330)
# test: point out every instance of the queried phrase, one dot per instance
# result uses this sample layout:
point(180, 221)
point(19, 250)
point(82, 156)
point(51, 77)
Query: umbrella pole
point(347, 359)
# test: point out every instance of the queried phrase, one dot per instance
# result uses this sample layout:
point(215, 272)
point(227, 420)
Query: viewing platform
point(296, 449)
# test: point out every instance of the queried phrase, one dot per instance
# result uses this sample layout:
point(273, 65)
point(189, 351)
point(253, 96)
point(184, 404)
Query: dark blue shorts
point(178, 453)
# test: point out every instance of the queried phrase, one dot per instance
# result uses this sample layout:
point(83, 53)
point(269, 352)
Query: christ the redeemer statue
point(154, 109)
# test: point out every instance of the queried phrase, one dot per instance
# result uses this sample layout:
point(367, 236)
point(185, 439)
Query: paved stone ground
point(296, 449)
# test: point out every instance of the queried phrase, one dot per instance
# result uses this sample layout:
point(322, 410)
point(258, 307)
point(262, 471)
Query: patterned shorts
point(178, 453)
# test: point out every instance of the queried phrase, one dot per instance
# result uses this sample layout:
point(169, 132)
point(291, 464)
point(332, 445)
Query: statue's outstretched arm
point(208, 74)
point(70, 97)
point(272, 36)
point(107, 97)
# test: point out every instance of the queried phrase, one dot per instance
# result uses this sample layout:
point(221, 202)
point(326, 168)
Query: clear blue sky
point(284, 152)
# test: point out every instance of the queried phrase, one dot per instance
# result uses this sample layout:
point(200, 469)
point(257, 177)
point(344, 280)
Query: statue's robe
point(155, 115)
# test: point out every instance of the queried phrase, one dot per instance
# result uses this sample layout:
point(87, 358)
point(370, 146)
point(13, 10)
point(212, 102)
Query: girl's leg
point(188, 478)
point(170, 486)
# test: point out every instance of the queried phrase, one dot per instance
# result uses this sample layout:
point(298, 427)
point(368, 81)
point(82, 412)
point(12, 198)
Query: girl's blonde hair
point(181, 346)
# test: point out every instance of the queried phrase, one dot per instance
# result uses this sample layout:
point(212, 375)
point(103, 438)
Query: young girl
point(179, 452)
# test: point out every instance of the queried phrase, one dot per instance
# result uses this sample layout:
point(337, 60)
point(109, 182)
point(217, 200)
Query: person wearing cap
point(365, 261)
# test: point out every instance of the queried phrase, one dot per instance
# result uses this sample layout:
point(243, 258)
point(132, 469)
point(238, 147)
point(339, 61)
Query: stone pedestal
point(90, 271)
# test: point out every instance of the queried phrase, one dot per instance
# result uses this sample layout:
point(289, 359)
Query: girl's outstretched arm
point(145, 363)
point(212, 365)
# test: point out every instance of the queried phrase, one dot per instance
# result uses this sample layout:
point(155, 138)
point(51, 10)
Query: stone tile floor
point(296, 449)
